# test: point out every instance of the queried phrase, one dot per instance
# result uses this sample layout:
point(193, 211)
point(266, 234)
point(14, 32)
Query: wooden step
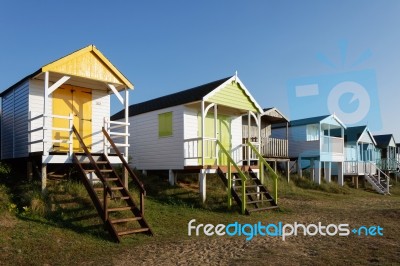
point(101, 170)
point(111, 179)
point(133, 231)
point(248, 186)
point(258, 201)
point(124, 220)
point(112, 188)
point(117, 209)
point(256, 193)
point(263, 209)
point(120, 198)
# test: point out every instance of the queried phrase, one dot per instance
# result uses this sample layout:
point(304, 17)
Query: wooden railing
point(243, 178)
point(192, 150)
point(128, 169)
point(388, 164)
point(262, 163)
point(358, 167)
point(273, 147)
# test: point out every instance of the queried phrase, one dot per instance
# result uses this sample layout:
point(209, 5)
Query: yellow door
point(78, 102)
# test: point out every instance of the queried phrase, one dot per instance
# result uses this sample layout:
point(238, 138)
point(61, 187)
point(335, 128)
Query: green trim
point(263, 162)
point(233, 95)
point(231, 162)
point(165, 125)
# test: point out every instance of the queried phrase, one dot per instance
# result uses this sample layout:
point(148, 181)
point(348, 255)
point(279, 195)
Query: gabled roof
point(69, 65)
point(353, 132)
point(178, 98)
point(382, 141)
point(270, 110)
point(308, 121)
point(183, 97)
point(314, 120)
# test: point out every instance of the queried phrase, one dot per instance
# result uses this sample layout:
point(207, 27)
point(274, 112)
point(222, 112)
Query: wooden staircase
point(378, 183)
point(113, 202)
point(258, 197)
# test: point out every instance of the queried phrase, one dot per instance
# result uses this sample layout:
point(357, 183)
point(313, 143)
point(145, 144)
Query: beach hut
point(388, 151)
point(314, 143)
point(198, 130)
point(360, 151)
point(56, 115)
point(274, 150)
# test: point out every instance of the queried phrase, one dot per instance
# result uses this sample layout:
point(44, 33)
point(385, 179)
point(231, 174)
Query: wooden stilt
point(44, 177)
point(288, 171)
point(126, 178)
point(202, 186)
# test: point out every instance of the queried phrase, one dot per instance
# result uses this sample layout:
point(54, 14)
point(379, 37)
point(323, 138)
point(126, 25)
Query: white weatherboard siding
point(100, 110)
point(14, 131)
point(148, 150)
point(191, 131)
point(36, 103)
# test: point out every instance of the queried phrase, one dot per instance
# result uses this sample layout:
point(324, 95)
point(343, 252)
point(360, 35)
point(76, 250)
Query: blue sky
point(167, 46)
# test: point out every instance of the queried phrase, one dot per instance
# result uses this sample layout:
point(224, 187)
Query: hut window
point(312, 132)
point(165, 124)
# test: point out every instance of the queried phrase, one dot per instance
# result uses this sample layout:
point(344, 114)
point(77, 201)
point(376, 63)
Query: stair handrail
point(92, 162)
point(125, 163)
point(243, 178)
point(263, 162)
point(386, 176)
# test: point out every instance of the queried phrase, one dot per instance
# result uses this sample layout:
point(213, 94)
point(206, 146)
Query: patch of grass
point(69, 230)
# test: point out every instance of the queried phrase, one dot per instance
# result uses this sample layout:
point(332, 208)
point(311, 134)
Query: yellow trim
point(90, 49)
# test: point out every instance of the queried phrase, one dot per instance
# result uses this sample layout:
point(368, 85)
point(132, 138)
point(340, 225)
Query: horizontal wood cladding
point(148, 150)
point(14, 122)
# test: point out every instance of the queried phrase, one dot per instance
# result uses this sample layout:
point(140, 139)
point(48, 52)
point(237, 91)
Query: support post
point(299, 169)
point(216, 132)
point(45, 104)
point(356, 181)
point(171, 177)
point(287, 171)
point(44, 177)
point(340, 173)
point(229, 177)
point(202, 132)
point(126, 102)
point(317, 172)
point(202, 185)
point(328, 171)
point(126, 178)
point(248, 137)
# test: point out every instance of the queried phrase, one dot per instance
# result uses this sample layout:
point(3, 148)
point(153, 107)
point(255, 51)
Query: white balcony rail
point(119, 133)
point(333, 145)
point(359, 167)
point(38, 133)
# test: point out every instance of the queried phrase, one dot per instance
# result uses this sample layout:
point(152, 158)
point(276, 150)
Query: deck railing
point(117, 131)
point(333, 145)
point(192, 150)
point(358, 167)
point(38, 123)
point(273, 147)
point(388, 164)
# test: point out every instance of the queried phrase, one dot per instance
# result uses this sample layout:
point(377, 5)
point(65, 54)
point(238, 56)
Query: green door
point(224, 136)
